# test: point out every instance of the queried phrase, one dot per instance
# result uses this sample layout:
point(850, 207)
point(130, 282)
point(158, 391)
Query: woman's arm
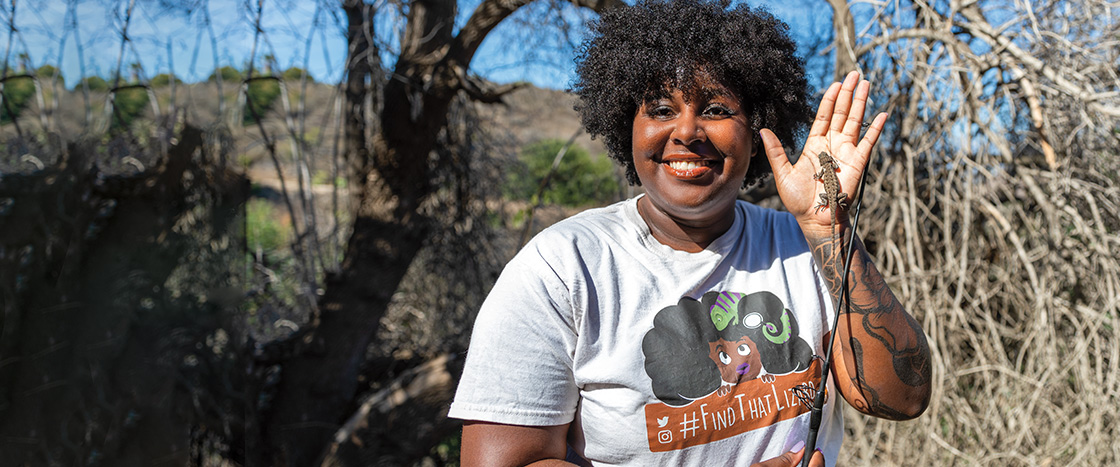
point(494, 444)
point(881, 357)
point(882, 362)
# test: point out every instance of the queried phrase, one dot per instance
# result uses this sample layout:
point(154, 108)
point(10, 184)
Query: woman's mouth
point(743, 369)
point(689, 168)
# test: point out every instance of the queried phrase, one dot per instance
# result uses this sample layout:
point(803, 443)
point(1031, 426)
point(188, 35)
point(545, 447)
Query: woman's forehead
point(695, 89)
point(694, 81)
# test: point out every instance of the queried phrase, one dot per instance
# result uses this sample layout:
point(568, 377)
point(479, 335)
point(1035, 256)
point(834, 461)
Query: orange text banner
point(747, 406)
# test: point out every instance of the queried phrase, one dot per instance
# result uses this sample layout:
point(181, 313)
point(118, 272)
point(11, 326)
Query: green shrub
point(48, 72)
point(95, 84)
point(228, 74)
point(129, 104)
point(323, 177)
point(164, 79)
point(17, 96)
point(293, 75)
point(262, 95)
point(578, 181)
point(264, 229)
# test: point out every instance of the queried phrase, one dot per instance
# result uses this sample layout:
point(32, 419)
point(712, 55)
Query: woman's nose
point(688, 129)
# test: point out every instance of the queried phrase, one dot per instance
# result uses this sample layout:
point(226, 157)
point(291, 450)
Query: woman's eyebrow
point(711, 92)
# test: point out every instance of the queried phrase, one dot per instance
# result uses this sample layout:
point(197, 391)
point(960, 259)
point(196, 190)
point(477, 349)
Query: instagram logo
point(664, 436)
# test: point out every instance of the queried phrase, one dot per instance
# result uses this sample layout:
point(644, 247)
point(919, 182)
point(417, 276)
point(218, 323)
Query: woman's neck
point(691, 236)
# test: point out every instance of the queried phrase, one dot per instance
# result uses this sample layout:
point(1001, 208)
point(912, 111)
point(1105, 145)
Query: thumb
point(779, 162)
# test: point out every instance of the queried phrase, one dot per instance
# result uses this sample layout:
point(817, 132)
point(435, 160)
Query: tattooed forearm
point(884, 350)
point(828, 257)
point(896, 331)
point(871, 403)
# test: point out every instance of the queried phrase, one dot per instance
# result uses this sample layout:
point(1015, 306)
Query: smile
point(689, 168)
point(685, 165)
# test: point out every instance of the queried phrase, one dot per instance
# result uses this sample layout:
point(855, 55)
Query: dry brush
point(996, 205)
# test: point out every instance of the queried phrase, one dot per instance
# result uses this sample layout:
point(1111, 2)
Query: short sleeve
point(519, 364)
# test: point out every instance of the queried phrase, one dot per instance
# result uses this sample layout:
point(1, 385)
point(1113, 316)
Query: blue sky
point(163, 39)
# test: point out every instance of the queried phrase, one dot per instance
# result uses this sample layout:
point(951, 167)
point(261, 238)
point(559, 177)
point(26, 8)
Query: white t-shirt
point(656, 356)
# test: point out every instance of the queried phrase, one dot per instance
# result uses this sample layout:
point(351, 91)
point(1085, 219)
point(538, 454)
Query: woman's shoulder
point(582, 239)
point(594, 225)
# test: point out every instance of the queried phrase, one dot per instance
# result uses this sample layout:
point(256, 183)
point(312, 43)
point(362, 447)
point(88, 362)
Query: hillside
point(532, 114)
point(529, 113)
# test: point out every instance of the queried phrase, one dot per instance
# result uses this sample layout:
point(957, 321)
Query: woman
point(586, 349)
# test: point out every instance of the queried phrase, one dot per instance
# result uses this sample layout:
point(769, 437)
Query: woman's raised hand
point(835, 131)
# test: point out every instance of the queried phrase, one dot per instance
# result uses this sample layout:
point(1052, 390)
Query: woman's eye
point(660, 111)
point(718, 110)
point(723, 357)
point(744, 349)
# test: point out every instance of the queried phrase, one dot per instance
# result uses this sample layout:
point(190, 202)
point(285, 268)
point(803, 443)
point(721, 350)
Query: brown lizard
point(832, 197)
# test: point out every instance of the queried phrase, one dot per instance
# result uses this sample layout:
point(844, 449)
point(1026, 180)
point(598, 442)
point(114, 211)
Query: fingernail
point(797, 447)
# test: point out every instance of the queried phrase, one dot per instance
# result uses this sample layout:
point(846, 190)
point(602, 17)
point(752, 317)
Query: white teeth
point(685, 165)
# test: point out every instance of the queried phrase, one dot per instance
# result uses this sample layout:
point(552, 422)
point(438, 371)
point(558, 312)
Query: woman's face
point(692, 151)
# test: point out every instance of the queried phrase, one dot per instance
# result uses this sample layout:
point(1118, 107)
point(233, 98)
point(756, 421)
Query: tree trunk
point(319, 386)
point(361, 59)
point(844, 27)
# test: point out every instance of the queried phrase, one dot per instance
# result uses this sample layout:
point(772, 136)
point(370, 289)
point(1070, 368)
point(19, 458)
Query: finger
point(855, 115)
point(824, 111)
point(775, 153)
point(871, 138)
point(843, 102)
point(817, 460)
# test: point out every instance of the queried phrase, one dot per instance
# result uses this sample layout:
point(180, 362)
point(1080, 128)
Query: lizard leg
point(824, 202)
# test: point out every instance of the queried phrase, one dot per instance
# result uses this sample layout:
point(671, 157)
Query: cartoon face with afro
point(737, 360)
point(723, 339)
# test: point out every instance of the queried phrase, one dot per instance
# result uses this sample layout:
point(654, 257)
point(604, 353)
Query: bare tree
point(994, 202)
point(392, 163)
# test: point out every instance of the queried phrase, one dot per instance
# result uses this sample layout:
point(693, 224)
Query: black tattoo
point(874, 405)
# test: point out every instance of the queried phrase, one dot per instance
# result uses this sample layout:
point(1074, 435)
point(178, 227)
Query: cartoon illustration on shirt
point(736, 360)
point(724, 365)
point(725, 338)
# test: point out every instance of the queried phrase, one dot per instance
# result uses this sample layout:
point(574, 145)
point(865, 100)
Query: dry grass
point(1019, 298)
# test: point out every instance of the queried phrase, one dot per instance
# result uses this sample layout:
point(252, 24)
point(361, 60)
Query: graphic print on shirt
point(724, 365)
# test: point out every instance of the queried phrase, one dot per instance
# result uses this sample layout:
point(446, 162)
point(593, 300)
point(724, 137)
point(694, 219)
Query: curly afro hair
point(639, 53)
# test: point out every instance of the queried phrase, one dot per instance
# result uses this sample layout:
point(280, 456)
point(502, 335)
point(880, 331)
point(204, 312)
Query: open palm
point(835, 130)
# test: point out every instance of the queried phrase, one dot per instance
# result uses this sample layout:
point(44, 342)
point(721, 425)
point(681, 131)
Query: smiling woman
point(639, 54)
point(679, 327)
